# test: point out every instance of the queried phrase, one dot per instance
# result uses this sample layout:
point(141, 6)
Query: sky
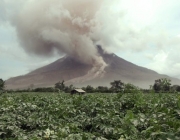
point(144, 32)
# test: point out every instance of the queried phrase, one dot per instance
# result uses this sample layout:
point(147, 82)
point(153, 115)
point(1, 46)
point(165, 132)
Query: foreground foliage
point(99, 117)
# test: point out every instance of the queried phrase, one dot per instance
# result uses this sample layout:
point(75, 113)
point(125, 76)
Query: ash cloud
point(47, 27)
point(74, 27)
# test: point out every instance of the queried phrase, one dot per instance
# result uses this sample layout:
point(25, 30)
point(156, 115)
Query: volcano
point(71, 71)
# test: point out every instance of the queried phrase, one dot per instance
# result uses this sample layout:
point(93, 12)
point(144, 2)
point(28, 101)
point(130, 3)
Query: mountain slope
point(69, 69)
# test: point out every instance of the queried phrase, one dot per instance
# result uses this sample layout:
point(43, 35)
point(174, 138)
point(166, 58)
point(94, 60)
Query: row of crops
point(90, 117)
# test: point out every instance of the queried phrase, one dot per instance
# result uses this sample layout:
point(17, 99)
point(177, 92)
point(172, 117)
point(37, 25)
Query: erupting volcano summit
point(81, 74)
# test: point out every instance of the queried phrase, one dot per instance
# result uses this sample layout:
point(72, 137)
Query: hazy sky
point(145, 32)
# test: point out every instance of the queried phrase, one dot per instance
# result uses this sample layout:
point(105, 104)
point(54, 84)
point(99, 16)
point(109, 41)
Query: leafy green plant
point(92, 116)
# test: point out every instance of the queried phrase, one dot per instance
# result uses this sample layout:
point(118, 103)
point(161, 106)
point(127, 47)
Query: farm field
point(137, 116)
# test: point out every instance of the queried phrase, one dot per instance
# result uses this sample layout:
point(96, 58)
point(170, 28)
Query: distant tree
point(178, 89)
point(83, 88)
point(130, 88)
point(2, 84)
point(166, 84)
point(45, 89)
point(117, 86)
point(162, 85)
point(157, 85)
point(102, 89)
point(69, 88)
point(89, 89)
point(60, 85)
point(175, 88)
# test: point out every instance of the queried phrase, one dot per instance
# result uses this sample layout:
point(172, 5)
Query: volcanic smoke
point(66, 27)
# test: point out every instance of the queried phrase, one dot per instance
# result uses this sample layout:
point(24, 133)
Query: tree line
point(162, 85)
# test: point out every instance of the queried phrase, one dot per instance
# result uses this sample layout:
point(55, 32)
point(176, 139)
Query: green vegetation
point(162, 85)
point(128, 114)
point(134, 116)
point(2, 84)
point(117, 86)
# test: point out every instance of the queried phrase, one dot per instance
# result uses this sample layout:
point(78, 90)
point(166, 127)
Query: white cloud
point(159, 62)
point(166, 62)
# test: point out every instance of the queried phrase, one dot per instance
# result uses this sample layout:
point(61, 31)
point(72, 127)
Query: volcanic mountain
point(71, 71)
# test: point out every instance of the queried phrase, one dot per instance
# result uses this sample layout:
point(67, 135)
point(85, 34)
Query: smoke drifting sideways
point(62, 26)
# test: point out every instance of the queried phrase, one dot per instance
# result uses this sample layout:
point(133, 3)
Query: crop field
point(51, 116)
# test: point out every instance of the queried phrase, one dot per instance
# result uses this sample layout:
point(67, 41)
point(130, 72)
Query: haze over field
point(34, 33)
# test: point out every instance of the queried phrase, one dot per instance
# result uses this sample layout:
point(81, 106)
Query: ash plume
point(66, 27)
